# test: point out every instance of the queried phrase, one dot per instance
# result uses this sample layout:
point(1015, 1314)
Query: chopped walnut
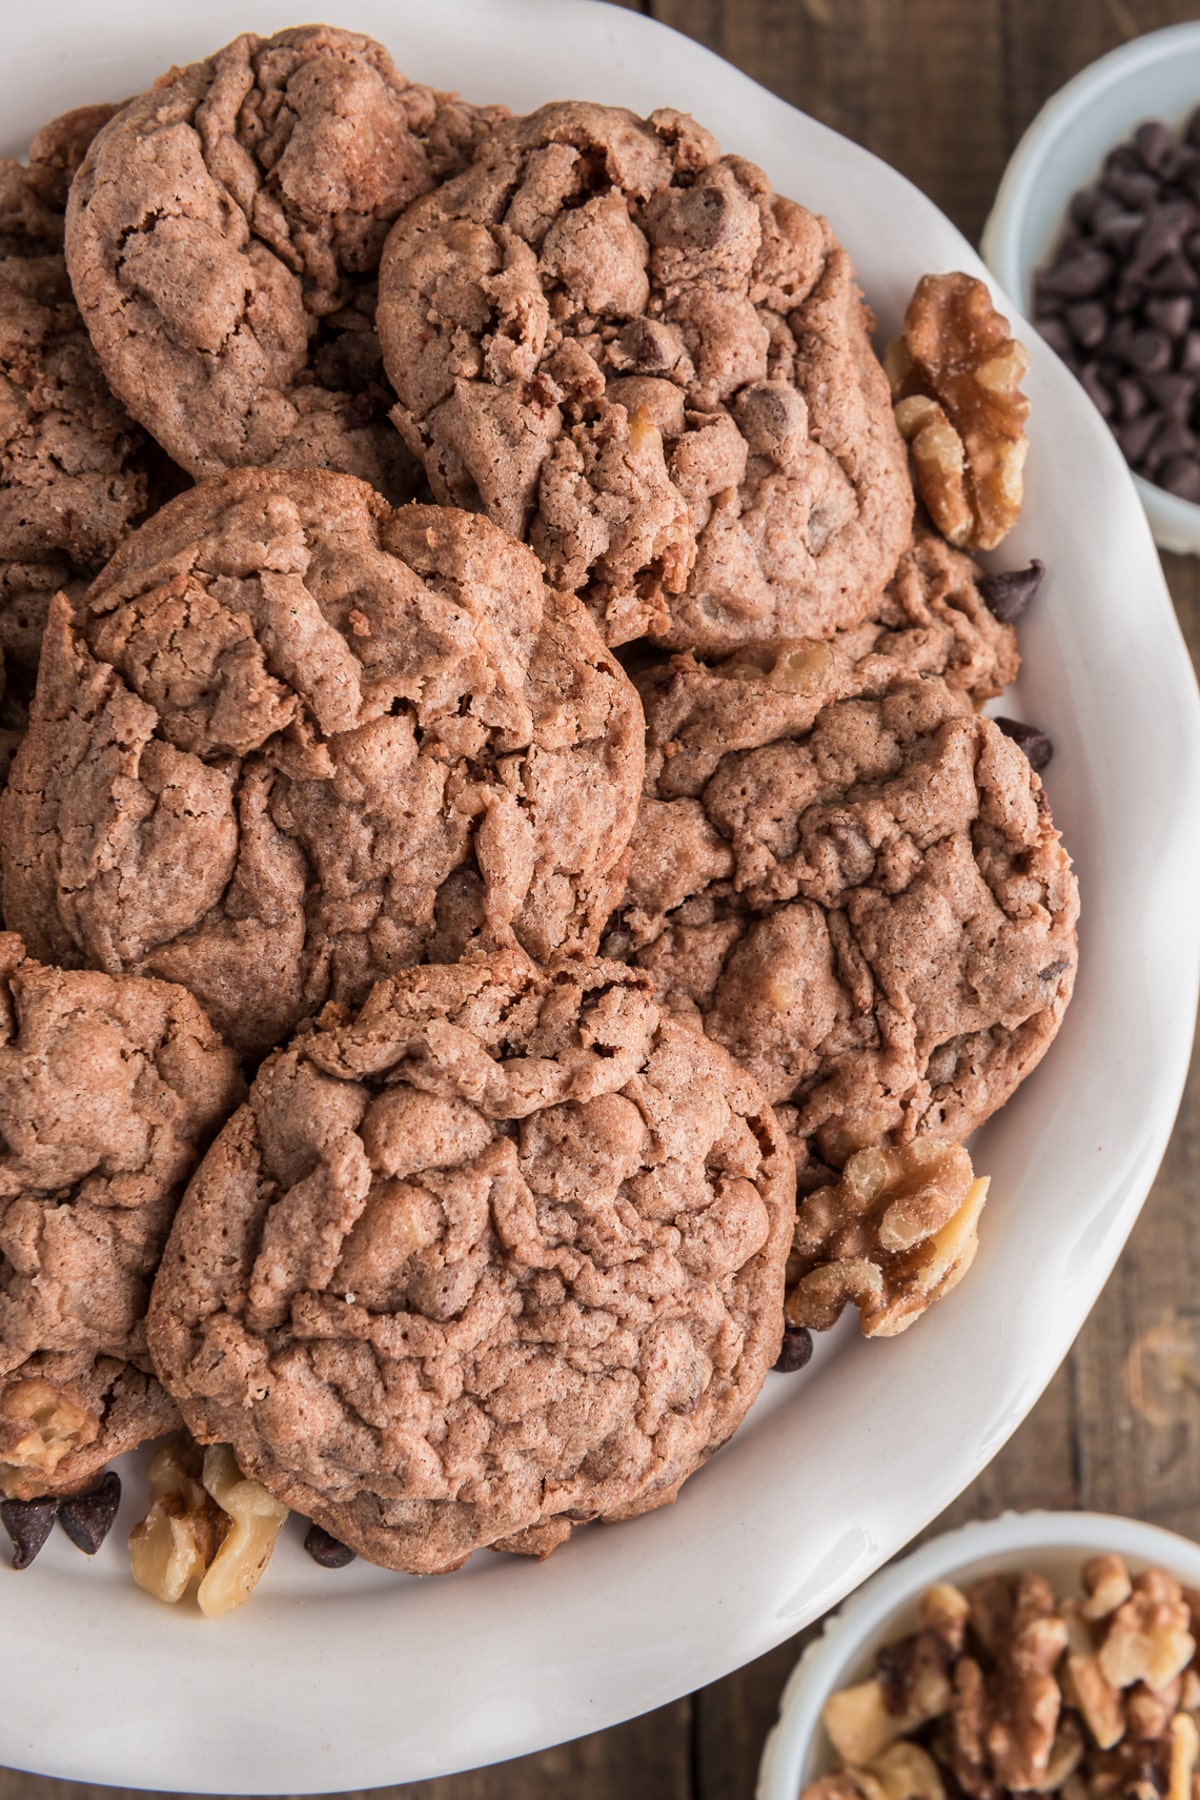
point(39, 1426)
point(896, 1232)
point(956, 380)
point(1084, 1685)
point(207, 1524)
point(1148, 1639)
point(910, 1686)
point(1107, 1585)
point(907, 1772)
point(1023, 1698)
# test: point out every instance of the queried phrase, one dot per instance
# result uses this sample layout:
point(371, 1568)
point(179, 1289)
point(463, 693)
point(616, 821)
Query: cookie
point(33, 195)
point(293, 741)
point(222, 237)
point(501, 1254)
point(870, 909)
point(931, 620)
point(632, 354)
point(75, 470)
point(110, 1087)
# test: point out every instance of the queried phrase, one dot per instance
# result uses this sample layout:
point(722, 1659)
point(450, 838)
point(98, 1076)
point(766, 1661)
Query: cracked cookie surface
point(633, 354)
point(293, 740)
point(110, 1088)
point(501, 1254)
point(223, 235)
point(868, 905)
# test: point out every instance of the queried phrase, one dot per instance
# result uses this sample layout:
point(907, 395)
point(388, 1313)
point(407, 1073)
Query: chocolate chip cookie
point(870, 909)
point(75, 470)
point(631, 353)
point(293, 740)
point(501, 1254)
point(222, 237)
point(110, 1087)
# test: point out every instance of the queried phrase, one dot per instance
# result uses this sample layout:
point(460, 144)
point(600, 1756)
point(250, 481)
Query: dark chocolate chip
point(1180, 163)
point(1132, 399)
point(327, 1550)
point(1153, 141)
point(1174, 391)
point(1007, 594)
point(1046, 303)
point(1058, 337)
point(1133, 187)
point(1171, 313)
point(1173, 275)
point(797, 1350)
point(1097, 390)
point(28, 1523)
point(87, 1518)
point(1080, 273)
point(1117, 225)
point(1181, 475)
point(1088, 323)
point(1082, 209)
point(1034, 743)
point(1122, 156)
point(1136, 437)
point(1174, 440)
point(1189, 355)
point(1191, 131)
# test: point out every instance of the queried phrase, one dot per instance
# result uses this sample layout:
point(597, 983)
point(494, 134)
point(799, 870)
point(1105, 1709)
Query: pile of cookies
point(497, 807)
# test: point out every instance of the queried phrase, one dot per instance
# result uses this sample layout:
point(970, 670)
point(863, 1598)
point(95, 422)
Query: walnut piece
point(1107, 1585)
point(1084, 1685)
point(207, 1524)
point(1148, 1639)
point(56, 1426)
point(956, 382)
point(897, 1231)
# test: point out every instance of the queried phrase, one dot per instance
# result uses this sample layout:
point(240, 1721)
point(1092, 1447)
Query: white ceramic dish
point(1054, 1544)
point(332, 1681)
point(1153, 77)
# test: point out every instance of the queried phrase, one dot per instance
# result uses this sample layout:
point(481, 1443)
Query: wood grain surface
point(942, 89)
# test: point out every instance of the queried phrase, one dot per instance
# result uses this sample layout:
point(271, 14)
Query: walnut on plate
point(207, 1524)
point(897, 1231)
point(956, 383)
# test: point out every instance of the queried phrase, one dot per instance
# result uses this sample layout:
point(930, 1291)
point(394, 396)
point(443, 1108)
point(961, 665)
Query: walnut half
point(207, 1525)
point(895, 1233)
point(956, 382)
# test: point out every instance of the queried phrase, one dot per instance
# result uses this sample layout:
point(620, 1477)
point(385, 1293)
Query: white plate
point(331, 1681)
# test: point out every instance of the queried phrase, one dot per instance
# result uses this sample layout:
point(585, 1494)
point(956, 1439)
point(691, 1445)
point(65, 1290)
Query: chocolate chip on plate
point(327, 1550)
point(797, 1350)
point(1036, 744)
point(87, 1518)
point(1007, 594)
point(28, 1523)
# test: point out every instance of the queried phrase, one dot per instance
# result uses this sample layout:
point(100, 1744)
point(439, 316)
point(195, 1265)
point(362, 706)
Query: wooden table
point(942, 89)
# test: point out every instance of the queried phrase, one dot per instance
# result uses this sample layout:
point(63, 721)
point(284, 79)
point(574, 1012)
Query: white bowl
point(355, 1679)
point(1053, 1544)
point(1154, 77)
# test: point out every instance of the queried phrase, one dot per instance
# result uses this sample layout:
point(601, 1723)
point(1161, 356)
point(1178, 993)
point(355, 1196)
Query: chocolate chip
point(1174, 391)
point(1036, 744)
point(28, 1523)
point(797, 1350)
point(1149, 351)
point(1097, 390)
point(1181, 475)
point(1132, 399)
point(1136, 437)
point(1174, 440)
point(1171, 313)
point(1082, 209)
point(327, 1550)
point(1180, 163)
point(1135, 187)
point(1088, 323)
point(1189, 356)
point(1122, 157)
point(1007, 594)
point(1154, 141)
point(1117, 225)
point(1081, 273)
point(1173, 275)
point(1054, 969)
point(87, 1518)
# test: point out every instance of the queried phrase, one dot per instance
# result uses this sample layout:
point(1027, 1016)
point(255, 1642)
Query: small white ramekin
point(1054, 1544)
point(1153, 77)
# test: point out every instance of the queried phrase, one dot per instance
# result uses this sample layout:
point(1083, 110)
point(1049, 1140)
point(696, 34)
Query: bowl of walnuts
point(1042, 1652)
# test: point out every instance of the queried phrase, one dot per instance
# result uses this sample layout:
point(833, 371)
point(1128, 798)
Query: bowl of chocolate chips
point(1096, 233)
